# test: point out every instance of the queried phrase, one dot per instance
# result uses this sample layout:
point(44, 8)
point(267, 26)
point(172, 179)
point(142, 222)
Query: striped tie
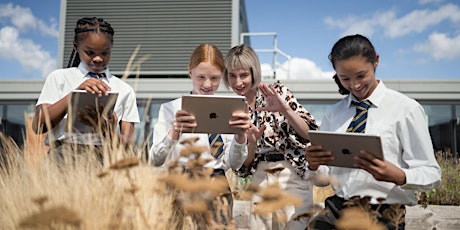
point(96, 75)
point(216, 144)
point(358, 124)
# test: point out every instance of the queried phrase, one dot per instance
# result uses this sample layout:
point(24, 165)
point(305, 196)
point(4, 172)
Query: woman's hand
point(95, 86)
point(316, 156)
point(253, 133)
point(274, 101)
point(380, 170)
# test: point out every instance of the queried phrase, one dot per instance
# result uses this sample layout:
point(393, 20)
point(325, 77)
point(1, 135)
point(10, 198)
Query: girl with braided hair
point(87, 70)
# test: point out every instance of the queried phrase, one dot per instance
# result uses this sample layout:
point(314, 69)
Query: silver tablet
point(81, 101)
point(345, 146)
point(213, 112)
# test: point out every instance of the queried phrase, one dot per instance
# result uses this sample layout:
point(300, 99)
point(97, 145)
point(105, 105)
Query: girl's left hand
point(380, 170)
point(274, 101)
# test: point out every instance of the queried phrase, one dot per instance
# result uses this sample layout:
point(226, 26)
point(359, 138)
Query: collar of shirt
point(375, 98)
point(85, 72)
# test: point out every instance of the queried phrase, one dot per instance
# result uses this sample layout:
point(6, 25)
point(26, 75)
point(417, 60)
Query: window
point(13, 121)
point(441, 127)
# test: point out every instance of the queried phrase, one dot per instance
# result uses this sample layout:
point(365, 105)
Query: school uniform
point(61, 82)
point(164, 149)
point(401, 123)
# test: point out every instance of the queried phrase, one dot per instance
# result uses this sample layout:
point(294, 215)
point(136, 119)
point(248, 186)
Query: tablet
point(213, 112)
point(345, 146)
point(80, 101)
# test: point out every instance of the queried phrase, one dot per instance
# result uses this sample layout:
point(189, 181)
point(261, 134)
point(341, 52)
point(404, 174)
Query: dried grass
point(81, 194)
point(128, 193)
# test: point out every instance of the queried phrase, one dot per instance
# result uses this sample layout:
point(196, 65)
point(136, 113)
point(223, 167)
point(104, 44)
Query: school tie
point(216, 145)
point(358, 124)
point(96, 75)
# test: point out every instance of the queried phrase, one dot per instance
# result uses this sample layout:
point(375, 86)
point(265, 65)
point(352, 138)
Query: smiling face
point(206, 78)
point(94, 50)
point(357, 75)
point(240, 80)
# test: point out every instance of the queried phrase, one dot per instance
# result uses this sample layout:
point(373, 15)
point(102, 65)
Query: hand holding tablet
point(345, 146)
point(212, 112)
point(83, 105)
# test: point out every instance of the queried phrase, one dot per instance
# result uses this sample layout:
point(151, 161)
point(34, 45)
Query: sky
point(416, 39)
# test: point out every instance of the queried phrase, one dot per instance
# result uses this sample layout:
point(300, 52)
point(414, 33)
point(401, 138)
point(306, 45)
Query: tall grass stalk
point(101, 197)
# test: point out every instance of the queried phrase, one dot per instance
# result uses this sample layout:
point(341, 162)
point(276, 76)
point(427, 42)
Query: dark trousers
point(225, 200)
point(63, 152)
point(222, 206)
point(334, 205)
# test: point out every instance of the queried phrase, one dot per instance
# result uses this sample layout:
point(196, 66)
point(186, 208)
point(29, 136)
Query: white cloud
point(423, 2)
point(14, 46)
point(26, 52)
point(296, 68)
point(414, 22)
point(24, 20)
point(266, 69)
point(354, 25)
point(440, 46)
point(419, 20)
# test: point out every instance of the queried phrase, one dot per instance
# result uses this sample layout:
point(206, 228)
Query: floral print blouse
point(279, 136)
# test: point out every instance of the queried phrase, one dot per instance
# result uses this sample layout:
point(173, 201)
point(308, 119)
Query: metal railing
point(275, 51)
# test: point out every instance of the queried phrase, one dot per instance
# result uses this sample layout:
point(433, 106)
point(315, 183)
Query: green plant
point(448, 192)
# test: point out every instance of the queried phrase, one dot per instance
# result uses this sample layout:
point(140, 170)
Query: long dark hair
point(351, 46)
point(88, 24)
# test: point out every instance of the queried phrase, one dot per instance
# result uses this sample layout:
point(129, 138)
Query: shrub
point(448, 193)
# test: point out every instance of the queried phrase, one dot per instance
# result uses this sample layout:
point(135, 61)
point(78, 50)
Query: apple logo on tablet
point(213, 115)
point(346, 151)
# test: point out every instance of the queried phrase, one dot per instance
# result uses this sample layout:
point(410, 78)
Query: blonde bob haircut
point(242, 57)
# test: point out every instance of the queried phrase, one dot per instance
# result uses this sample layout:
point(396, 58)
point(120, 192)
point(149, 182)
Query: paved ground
point(434, 217)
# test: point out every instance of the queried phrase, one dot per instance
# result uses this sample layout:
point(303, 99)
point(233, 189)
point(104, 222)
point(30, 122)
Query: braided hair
point(88, 24)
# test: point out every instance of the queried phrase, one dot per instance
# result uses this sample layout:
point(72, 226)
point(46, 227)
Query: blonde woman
point(277, 138)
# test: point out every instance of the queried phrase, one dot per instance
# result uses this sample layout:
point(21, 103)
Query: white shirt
point(61, 82)
point(164, 149)
point(401, 123)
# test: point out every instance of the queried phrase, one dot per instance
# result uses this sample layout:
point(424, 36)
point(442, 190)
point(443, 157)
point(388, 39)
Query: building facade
point(440, 99)
point(165, 32)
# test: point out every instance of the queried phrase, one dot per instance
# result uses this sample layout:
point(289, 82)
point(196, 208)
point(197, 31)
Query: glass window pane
point(440, 125)
point(154, 110)
point(140, 127)
point(457, 127)
point(438, 114)
point(14, 122)
point(2, 118)
point(317, 111)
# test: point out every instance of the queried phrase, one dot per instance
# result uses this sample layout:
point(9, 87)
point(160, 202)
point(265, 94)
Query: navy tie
point(358, 124)
point(96, 75)
point(216, 145)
